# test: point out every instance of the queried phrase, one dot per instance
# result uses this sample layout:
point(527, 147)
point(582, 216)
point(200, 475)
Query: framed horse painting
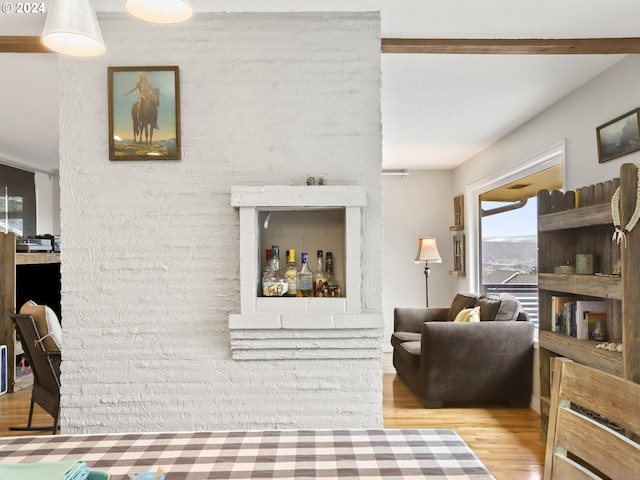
point(144, 113)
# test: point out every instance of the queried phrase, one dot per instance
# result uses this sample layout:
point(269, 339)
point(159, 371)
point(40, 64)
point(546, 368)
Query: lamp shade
point(159, 11)
point(428, 251)
point(72, 28)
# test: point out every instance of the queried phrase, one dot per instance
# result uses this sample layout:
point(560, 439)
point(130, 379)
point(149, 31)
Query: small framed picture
point(144, 113)
point(618, 137)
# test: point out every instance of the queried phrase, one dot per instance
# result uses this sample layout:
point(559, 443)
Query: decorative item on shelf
point(427, 253)
point(566, 269)
point(619, 234)
point(610, 346)
point(585, 263)
point(458, 213)
point(617, 268)
point(321, 180)
point(599, 329)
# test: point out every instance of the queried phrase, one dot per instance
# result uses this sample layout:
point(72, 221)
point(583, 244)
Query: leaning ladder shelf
point(581, 222)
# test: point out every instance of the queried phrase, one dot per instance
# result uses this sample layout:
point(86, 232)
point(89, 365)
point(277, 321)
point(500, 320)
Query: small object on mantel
point(321, 180)
point(611, 346)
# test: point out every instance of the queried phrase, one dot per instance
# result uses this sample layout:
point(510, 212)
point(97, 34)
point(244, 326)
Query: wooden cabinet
point(8, 276)
point(580, 222)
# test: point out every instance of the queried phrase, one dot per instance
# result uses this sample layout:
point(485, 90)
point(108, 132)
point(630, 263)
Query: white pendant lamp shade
point(72, 28)
point(159, 11)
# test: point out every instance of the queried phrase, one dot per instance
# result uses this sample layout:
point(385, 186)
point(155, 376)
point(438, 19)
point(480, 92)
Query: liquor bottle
point(267, 265)
point(319, 277)
point(291, 273)
point(274, 283)
point(329, 267)
point(305, 277)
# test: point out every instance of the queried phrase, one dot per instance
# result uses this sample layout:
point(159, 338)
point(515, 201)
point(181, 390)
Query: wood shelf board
point(591, 216)
point(582, 351)
point(37, 258)
point(590, 285)
point(456, 228)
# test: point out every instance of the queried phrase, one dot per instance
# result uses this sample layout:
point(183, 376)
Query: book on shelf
point(570, 318)
point(558, 318)
point(584, 307)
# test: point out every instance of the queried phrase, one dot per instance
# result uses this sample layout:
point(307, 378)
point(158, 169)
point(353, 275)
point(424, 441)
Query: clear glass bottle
point(274, 283)
point(320, 278)
point(291, 272)
point(305, 277)
point(267, 265)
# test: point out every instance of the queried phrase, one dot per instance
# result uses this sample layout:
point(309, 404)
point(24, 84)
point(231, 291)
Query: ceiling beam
point(500, 46)
point(516, 46)
point(22, 44)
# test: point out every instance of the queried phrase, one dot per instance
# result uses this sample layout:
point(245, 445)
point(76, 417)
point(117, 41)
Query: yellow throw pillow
point(46, 322)
point(468, 315)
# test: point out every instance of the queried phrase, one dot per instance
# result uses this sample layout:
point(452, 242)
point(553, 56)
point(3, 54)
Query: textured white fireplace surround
point(289, 328)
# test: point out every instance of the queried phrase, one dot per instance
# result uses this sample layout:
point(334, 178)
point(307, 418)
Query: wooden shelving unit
point(8, 261)
point(580, 222)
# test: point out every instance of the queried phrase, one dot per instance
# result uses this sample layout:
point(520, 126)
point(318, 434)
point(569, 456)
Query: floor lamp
point(427, 253)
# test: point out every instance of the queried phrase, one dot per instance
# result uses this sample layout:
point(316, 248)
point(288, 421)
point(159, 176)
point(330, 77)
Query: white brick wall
point(150, 269)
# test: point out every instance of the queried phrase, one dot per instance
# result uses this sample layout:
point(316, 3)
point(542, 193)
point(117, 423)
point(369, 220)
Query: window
point(508, 237)
point(17, 201)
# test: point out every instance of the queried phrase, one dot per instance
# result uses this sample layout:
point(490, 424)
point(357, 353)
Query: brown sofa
point(442, 361)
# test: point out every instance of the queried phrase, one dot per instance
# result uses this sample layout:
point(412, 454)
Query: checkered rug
point(294, 454)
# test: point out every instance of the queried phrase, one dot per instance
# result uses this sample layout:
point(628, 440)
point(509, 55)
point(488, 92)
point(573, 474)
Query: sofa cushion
point(468, 315)
point(47, 324)
point(410, 352)
point(407, 336)
point(460, 302)
point(501, 308)
point(400, 337)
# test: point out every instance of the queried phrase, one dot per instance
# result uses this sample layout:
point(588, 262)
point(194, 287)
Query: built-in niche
point(306, 230)
point(307, 218)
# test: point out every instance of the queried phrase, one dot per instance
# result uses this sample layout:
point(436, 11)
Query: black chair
point(45, 366)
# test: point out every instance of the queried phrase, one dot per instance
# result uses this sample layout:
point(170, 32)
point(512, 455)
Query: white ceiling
point(437, 110)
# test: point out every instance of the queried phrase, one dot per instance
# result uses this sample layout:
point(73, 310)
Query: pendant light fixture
point(72, 28)
point(159, 11)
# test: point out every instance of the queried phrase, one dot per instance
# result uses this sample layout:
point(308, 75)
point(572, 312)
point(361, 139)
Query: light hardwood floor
point(506, 440)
